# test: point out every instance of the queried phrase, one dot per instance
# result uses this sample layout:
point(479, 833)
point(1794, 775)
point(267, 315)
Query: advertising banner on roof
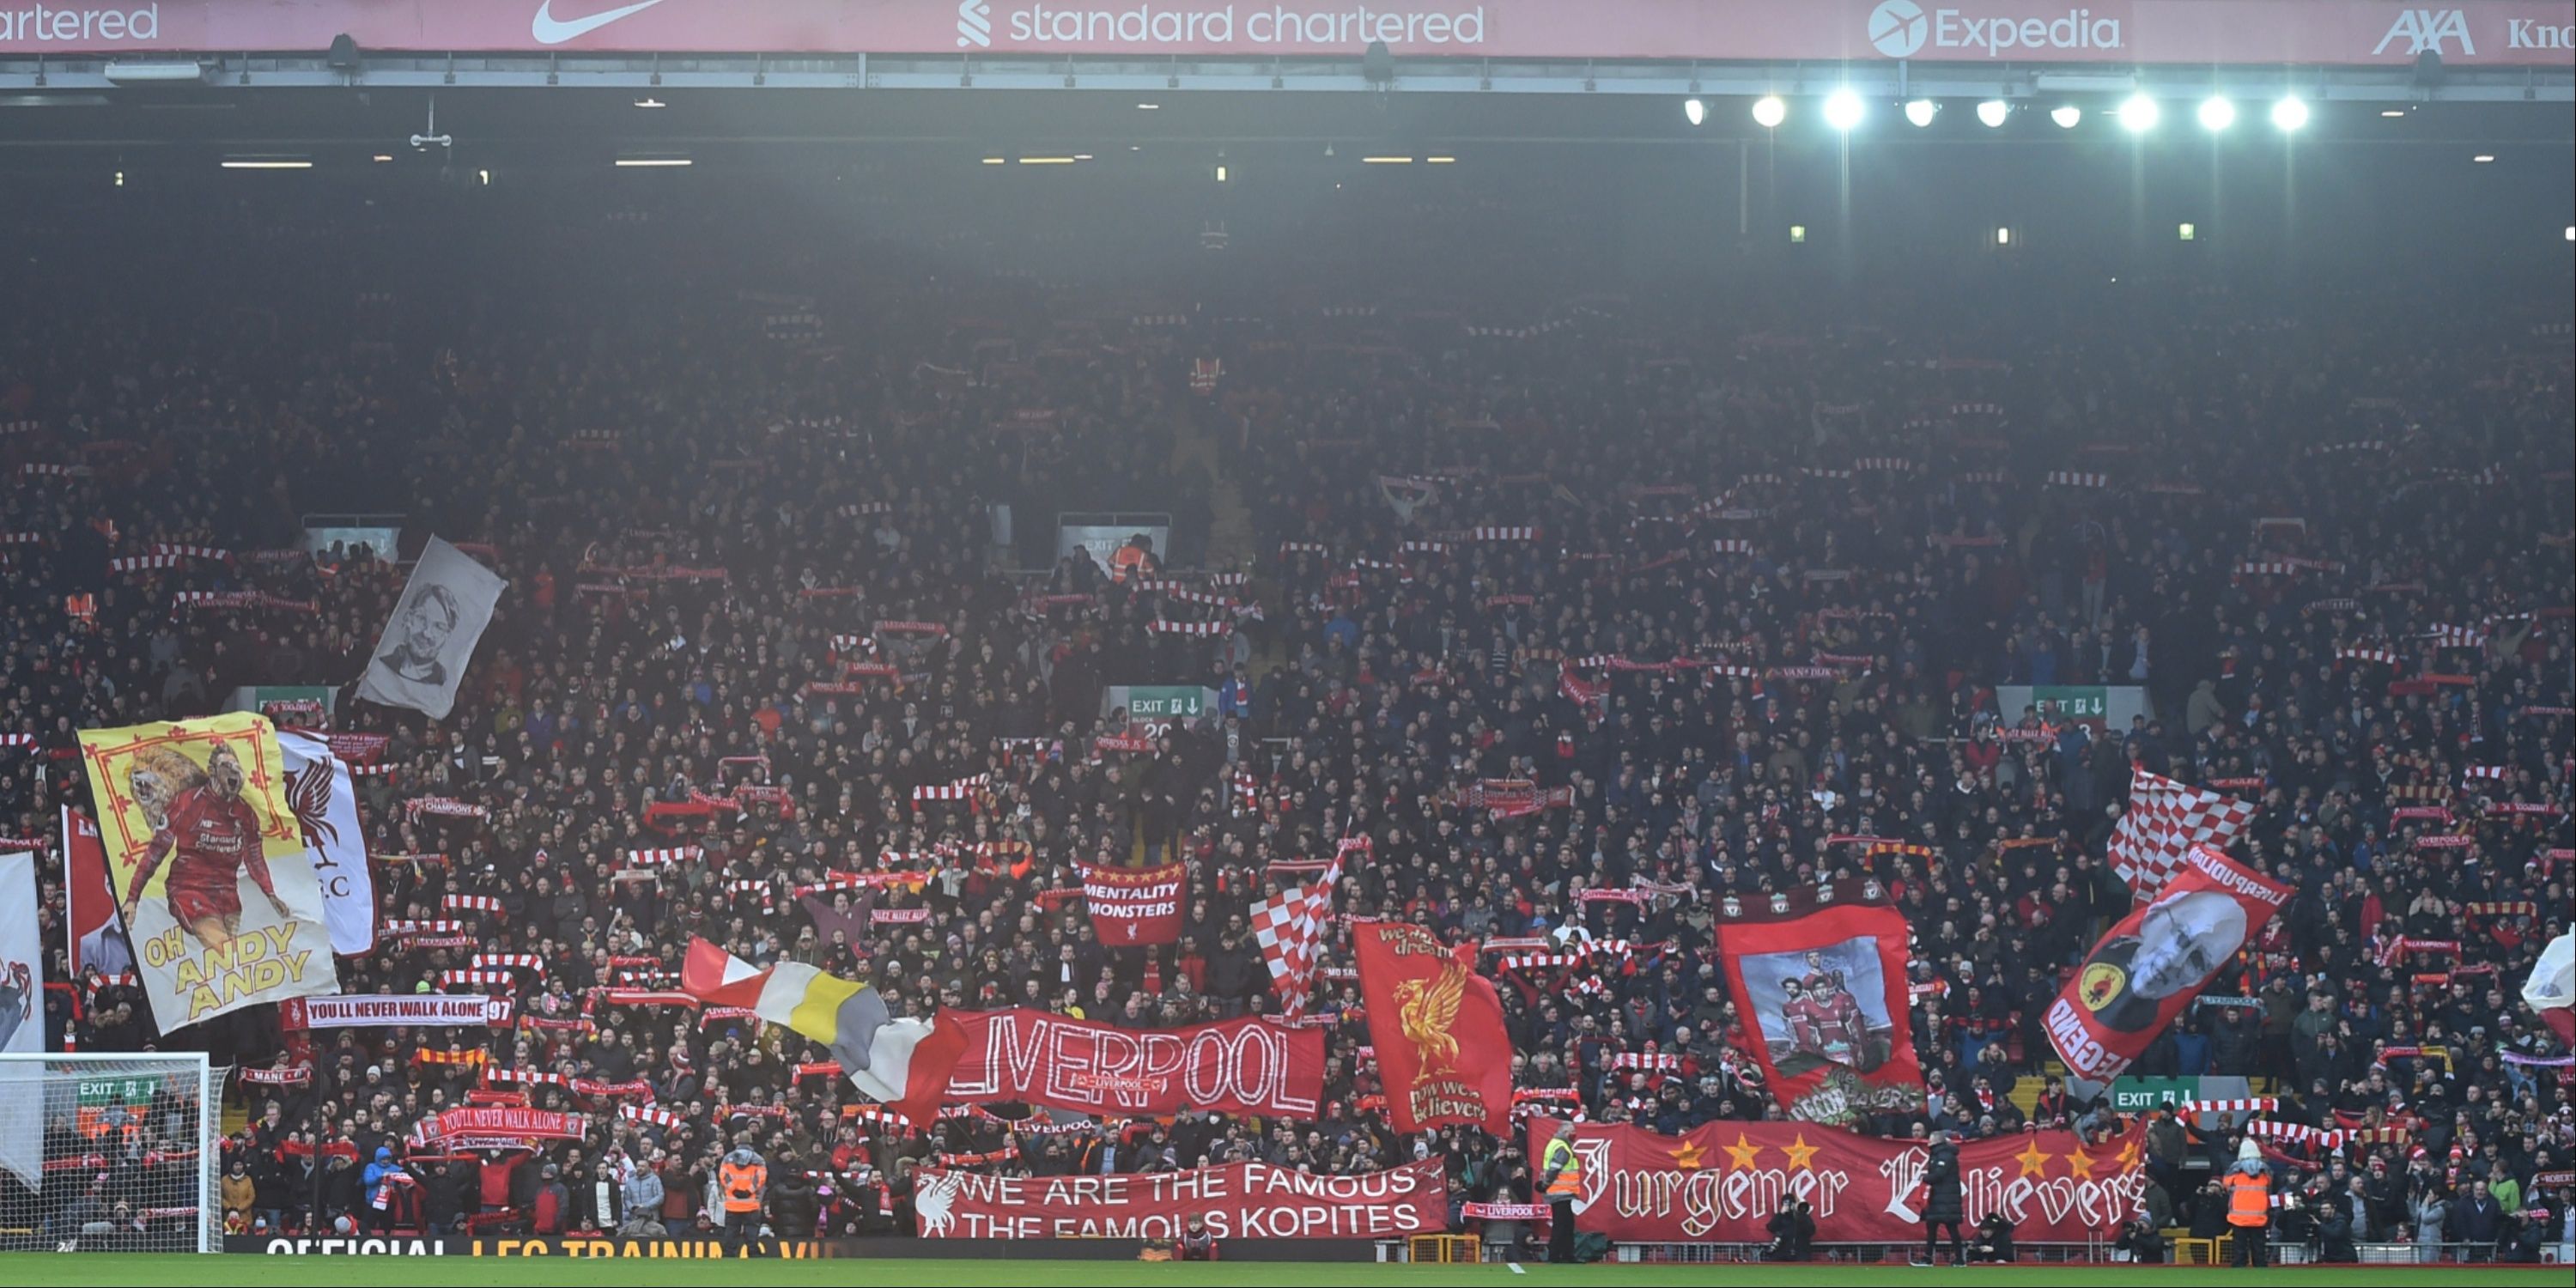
point(2504, 33)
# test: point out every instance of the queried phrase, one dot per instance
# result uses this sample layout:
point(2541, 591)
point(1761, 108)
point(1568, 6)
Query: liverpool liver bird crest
point(1427, 1009)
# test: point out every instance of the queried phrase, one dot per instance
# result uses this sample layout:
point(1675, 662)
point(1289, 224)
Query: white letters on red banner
point(430, 1010)
point(1129, 908)
point(1239, 1201)
point(1246, 1066)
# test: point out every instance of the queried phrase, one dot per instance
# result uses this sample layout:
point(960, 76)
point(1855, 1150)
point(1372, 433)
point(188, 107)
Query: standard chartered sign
point(1903, 28)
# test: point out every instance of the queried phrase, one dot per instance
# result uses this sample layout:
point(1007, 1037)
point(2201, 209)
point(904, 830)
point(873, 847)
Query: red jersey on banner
point(1721, 1183)
point(1132, 908)
point(1438, 1028)
point(2158, 958)
point(1246, 1066)
point(1822, 994)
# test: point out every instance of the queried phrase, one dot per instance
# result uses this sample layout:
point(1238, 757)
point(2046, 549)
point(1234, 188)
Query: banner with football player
point(98, 938)
point(22, 958)
point(2158, 958)
point(1822, 973)
point(208, 865)
point(1442, 1050)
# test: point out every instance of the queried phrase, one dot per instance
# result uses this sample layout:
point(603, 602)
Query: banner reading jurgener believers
point(1239, 1201)
point(1722, 1182)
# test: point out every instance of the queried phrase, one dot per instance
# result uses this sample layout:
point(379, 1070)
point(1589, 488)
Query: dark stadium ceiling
point(577, 125)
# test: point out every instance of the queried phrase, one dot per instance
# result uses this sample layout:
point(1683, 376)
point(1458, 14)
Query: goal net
point(108, 1153)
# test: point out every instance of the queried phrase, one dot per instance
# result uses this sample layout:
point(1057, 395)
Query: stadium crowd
point(1477, 558)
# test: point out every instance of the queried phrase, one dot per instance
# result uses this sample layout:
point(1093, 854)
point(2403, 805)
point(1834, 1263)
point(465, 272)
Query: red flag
point(1826, 990)
point(1130, 908)
point(2156, 960)
point(1438, 1028)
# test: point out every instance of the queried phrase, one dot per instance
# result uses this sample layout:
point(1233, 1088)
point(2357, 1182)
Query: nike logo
point(548, 31)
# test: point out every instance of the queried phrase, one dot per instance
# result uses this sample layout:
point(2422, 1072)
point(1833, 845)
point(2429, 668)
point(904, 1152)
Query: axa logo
point(2428, 31)
point(974, 24)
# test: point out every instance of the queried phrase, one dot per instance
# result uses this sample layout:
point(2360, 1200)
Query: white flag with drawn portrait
point(422, 655)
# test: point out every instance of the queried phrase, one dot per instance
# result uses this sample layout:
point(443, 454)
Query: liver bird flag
point(1438, 1029)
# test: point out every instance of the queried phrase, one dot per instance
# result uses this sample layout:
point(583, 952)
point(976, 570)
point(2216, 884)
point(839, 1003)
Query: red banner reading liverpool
point(1722, 1182)
point(1438, 1028)
point(1240, 1201)
point(1142, 906)
point(1826, 989)
point(1246, 1066)
point(2158, 958)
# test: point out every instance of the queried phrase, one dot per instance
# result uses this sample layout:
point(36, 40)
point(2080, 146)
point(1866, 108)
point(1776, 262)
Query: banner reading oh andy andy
point(207, 865)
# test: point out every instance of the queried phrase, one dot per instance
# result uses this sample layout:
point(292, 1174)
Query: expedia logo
point(974, 24)
point(1902, 29)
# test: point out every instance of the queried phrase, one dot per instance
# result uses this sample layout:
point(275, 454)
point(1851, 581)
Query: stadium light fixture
point(2483, 158)
point(1769, 111)
point(2290, 115)
point(2003, 237)
point(2140, 114)
point(1797, 234)
point(2187, 232)
point(1844, 110)
point(383, 157)
point(1220, 174)
point(1921, 111)
point(2571, 232)
point(1391, 160)
point(266, 163)
point(1694, 110)
point(1046, 160)
point(665, 163)
point(1993, 112)
point(648, 101)
point(2216, 114)
point(120, 178)
point(2066, 115)
point(152, 73)
point(1440, 160)
point(1149, 107)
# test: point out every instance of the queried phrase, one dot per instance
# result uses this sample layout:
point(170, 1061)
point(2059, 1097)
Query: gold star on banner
point(1743, 1153)
point(2129, 1156)
point(2079, 1165)
point(1802, 1156)
point(2034, 1161)
point(1688, 1158)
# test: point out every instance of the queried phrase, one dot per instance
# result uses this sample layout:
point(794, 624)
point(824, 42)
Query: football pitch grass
point(77, 1270)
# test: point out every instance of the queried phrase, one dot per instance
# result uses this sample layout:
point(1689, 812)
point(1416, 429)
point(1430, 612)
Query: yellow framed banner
point(207, 865)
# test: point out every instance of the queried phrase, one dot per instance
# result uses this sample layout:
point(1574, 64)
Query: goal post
point(109, 1152)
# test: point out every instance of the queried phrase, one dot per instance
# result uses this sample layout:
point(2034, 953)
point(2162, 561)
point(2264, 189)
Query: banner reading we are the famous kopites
point(207, 865)
point(1723, 1182)
point(1239, 1201)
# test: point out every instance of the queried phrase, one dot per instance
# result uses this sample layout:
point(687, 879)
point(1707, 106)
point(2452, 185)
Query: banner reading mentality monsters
point(1723, 1182)
point(1135, 906)
point(2158, 958)
point(1438, 1030)
point(207, 865)
point(1821, 976)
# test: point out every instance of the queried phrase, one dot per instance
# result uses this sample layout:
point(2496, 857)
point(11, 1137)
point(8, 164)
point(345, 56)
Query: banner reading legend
point(207, 865)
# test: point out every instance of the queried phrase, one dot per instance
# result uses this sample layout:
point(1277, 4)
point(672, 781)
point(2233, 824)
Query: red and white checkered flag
point(1287, 926)
point(2164, 821)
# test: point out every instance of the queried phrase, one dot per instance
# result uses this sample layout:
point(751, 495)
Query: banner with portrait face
point(2156, 960)
point(22, 958)
point(98, 938)
point(422, 656)
point(1822, 974)
point(207, 865)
